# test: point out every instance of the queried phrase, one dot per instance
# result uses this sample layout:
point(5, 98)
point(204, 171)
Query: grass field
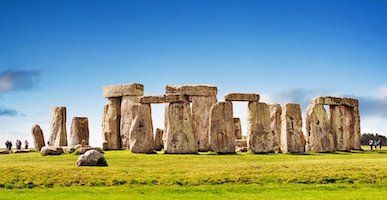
point(356, 175)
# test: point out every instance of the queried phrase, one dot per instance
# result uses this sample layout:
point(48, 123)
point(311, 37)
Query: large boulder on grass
point(50, 150)
point(92, 158)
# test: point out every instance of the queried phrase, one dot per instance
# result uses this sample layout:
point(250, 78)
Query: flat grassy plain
point(346, 175)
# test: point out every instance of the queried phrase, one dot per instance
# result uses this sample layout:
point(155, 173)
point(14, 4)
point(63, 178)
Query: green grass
point(356, 175)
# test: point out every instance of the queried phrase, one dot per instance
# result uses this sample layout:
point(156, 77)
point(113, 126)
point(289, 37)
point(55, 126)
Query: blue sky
point(63, 52)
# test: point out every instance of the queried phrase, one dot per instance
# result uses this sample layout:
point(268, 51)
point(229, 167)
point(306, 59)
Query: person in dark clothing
point(18, 144)
point(26, 144)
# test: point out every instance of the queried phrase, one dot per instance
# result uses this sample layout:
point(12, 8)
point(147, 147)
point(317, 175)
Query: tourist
point(18, 144)
point(7, 145)
point(371, 143)
point(26, 144)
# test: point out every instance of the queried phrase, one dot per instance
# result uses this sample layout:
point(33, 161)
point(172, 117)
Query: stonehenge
point(334, 128)
point(292, 137)
point(58, 135)
point(37, 135)
point(79, 131)
point(194, 121)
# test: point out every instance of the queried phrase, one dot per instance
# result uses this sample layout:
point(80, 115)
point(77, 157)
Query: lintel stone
point(242, 97)
point(134, 89)
point(192, 90)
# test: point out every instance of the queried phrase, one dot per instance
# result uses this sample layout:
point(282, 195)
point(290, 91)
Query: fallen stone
point(158, 143)
point(242, 97)
point(320, 137)
point(238, 128)
point(153, 99)
point(222, 133)
point(179, 137)
point(260, 138)
point(335, 101)
point(83, 150)
point(51, 150)
point(192, 90)
point(58, 127)
point(92, 158)
point(241, 145)
point(134, 89)
point(141, 132)
point(127, 117)
point(275, 125)
point(37, 135)
point(201, 107)
point(111, 124)
point(79, 131)
point(292, 137)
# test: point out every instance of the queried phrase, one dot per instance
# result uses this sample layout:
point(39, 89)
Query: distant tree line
point(365, 137)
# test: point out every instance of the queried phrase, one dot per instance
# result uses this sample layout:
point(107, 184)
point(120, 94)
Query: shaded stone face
point(127, 118)
point(134, 89)
point(237, 128)
point(37, 135)
point(201, 107)
point(260, 138)
point(179, 137)
point(158, 143)
point(241, 97)
point(222, 133)
point(357, 131)
point(141, 132)
point(342, 121)
point(58, 127)
point(336, 101)
point(275, 125)
point(320, 137)
point(111, 124)
point(292, 137)
point(153, 99)
point(79, 131)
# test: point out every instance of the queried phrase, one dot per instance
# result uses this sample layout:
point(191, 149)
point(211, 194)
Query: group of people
point(375, 143)
point(18, 143)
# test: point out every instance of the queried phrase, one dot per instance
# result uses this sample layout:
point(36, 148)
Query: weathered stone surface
point(201, 107)
point(237, 128)
point(127, 117)
point(141, 132)
point(58, 127)
point(241, 145)
point(275, 125)
point(153, 99)
point(51, 150)
point(192, 90)
point(320, 137)
point(158, 143)
point(343, 126)
point(242, 97)
point(260, 138)
point(92, 158)
point(83, 150)
point(175, 98)
point(357, 130)
point(134, 89)
point(37, 135)
point(292, 137)
point(178, 137)
point(222, 133)
point(79, 131)
point(335, 101)
point(111, 124)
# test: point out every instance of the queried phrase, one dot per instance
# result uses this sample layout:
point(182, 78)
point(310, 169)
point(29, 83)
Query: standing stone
point(38, 136)
point(342, 120)
point(320, 137)
point(260, 139)
point(237, 128)
point(58, 127)
point(127, 118)
point(141, 132)
point(222, 133)
point(111, 124)
point(179, 136)
point(158, 143)
point(275, 125)
point(357, 130)
point(292, 137)
point(79, 131)
point(201, 107)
